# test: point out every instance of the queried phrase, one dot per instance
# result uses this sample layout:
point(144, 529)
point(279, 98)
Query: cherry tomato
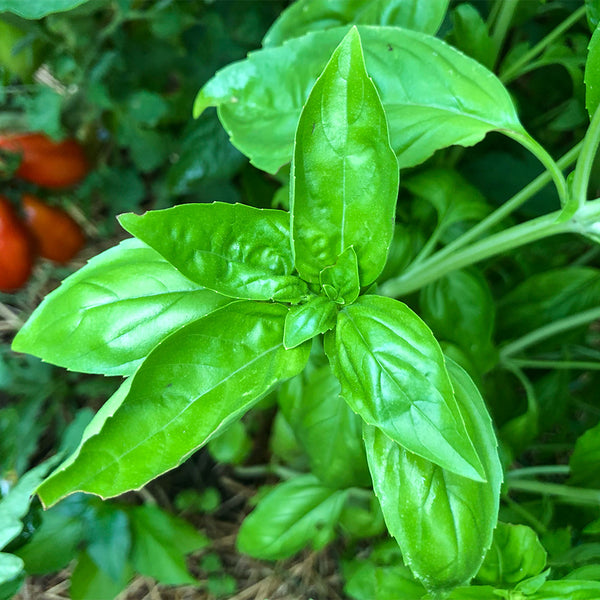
point(57, 235)
point(45, 162)
point(16, 253)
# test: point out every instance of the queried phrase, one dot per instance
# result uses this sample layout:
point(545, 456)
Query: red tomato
point(16, 254)
point(57, 235)
point(45, 162)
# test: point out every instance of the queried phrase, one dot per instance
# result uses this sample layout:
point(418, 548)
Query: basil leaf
point(585, 457)
point(340, 282)
point(434, 96)
point(571, 589)
point(305, 321)
point(443, 522)
point(516, 554)
point(327, 429)
point(547, 297)
point(460, 308)
point(592, 74)
point(470, 34)
point(114, 311)
point(36, 9)
point(304, 16)
point(233, 249)
point(393, 375)
point(297, 513)
point(191, 386)
point(336, 202)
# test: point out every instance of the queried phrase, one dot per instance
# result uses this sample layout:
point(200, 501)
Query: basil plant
point(210, 307)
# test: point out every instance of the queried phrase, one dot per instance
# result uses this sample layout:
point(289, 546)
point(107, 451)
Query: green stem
point(533, 521)
point(542, 155)
point(510, 205)
point(502, 24)
point(566, 493)
point(542, 333)
point(428, 248)
point(541, 470)
point(514, 70)
point(585, 162)
point(556, 364)
point(516, 236)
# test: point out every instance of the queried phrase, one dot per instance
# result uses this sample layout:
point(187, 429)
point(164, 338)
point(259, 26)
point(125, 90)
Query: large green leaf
point(36, 9)
point(434, 96)
point(112, 312)
point(191, 386)
point(592, 74)
point(393, 374)
point(516, 554)
point(236, 250)
point(304, 16)
point(443, 522)
point(297, 513)
point(344, 173)
point(327, 429)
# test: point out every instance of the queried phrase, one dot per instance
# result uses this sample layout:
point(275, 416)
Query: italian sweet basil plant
point(210, 307)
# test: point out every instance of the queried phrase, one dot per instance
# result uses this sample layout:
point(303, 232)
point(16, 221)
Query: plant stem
point(556, 364)
point(570, 495)
point(539, 527)
point(583, 168)
point(541, 470)
point(542, 155)
point(542, 333)
point(514, 70)
point(516, 236)
point(510, 205)
point(502, 24)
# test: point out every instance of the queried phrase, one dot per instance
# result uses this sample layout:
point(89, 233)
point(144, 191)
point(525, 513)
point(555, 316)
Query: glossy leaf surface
point(443, 522)
point(393, 375)
point(344, 173)
point(233, 249)
point(297, 513)
point(305, 16)
point(434, 96)
point(114, 311)
point(592, 74)
point(36, 9)
point(192, 385)
point(327, 429)
point(305, 321)
point(516, 554)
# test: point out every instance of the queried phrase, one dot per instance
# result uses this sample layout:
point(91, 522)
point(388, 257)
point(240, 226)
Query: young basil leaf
point(297, 513)
point(305, 321)
point(233, 249)
point(393, 375)
point(89, 581)
point(460, 308)
point(304, 16)
point(160, 543)
point(470, 34)
point(592, 74)
point(443, 522)
point(516, 554)
point(335, 201)
point(570, 589)
point(434, 96)
point(327, 429)
point(340, 282)
point(114, 311)
point(191, 386)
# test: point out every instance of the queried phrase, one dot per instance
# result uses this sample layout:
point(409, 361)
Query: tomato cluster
point(40, 229)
